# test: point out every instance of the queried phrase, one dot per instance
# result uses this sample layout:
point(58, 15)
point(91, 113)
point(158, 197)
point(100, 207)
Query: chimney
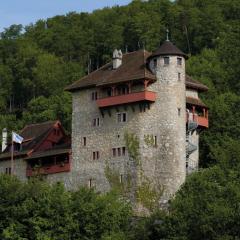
point(4, 139)
point(117, 58)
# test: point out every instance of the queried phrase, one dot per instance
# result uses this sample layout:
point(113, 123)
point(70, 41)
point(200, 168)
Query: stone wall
point(193, 160)
point(20, 168)
point(163, 164)
point(169, 114)
point(191, 93)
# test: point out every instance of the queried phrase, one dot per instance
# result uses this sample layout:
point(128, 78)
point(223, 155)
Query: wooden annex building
point(46, 150)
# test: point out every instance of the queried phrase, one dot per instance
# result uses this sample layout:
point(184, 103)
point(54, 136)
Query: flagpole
point(12, 156)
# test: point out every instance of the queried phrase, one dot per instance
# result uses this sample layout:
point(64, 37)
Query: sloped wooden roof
point(194, 84)
point(34, 135)
point(195, 101)
point(168, 48)
point(134, 67)
point(51, 152)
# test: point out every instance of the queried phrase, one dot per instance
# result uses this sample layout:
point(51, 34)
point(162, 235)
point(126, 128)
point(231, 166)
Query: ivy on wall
point(113, 177)
point(149, 193)
point(149, 140)
point(132, 144)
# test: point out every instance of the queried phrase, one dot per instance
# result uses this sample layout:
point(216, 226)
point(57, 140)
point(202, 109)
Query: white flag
point(16, 138)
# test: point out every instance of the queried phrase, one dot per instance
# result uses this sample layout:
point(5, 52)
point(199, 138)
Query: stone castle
point(136, 118)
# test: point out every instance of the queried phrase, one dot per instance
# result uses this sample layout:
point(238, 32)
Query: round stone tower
point(168, 64)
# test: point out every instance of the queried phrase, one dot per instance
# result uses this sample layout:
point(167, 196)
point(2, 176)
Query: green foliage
point(114, 181)
point(35, 210)
point(44, 109)
point(149, 193)
point(37, 64)
point(207, 207)
point(132, 144)
point(149, 140)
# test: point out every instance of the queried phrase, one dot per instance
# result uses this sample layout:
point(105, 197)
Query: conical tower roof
point(168, 48)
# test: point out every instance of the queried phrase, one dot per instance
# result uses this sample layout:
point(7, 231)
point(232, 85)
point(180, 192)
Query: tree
point(35, 210)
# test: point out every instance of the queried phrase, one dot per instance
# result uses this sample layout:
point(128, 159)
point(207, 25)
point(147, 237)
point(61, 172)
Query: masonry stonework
point(165, 119)
point(152, 108)
point(19, 168)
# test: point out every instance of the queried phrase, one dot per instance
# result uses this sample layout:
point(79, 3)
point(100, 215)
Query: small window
point(84, 141)
point(95, 155)
point(8, 171)
point(121, 178)
point(114, 152)
point(166, 60)
point(179, 61)
point(179, 76)
point(96, 122)
point(123, 151)
point(119, 151)
point(155, 141)
point(154, 62)
point(179, 111)
point(124, 117)
point(91, 183)
point(121, 117)
point(94, 96)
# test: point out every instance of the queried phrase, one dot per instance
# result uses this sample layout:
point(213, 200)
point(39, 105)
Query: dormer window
point(166, 60)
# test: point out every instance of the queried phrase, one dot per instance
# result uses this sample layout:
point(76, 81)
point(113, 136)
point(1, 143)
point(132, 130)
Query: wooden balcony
point(202, 121)
point(58, 168)
point(127, 98)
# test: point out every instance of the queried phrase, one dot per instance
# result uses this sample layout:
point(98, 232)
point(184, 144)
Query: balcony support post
point(145, 82)
point(113, 90)
point(204, 112)
point(193, 111)
point(129, 87)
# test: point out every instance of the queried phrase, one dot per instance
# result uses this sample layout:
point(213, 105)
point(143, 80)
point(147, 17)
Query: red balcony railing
point(127, 98)
point(202, 121)
point(64, 167)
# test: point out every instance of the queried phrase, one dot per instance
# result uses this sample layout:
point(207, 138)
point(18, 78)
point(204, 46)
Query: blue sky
point(29, 11)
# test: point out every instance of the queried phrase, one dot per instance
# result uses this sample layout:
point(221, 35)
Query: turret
point(168, 64)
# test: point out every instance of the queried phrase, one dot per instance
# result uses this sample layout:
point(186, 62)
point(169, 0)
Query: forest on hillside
point(39, 60)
